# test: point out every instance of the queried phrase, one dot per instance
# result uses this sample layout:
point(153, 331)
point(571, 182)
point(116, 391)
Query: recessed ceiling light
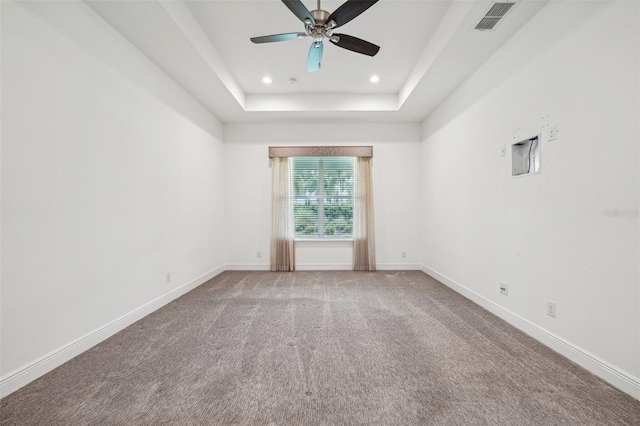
point(266, 80)
point(374, 79)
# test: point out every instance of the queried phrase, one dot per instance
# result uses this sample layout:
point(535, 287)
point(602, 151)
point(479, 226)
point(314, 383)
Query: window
point(323, 197)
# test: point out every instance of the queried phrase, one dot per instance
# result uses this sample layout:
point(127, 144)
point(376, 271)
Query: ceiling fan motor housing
point(321, 29)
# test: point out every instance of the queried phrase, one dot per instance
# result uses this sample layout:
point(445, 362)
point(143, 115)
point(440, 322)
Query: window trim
point(320, 198)
point(323, 239)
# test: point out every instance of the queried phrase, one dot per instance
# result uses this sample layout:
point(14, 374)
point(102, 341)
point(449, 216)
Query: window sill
point(328, 240)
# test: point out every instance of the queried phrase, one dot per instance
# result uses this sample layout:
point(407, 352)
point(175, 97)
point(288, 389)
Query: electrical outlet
point(503, 150)
point(168, 277)
point(504, 289)
point(551, 308)
point(403, 254)
point(258, 254)
point(552, 132)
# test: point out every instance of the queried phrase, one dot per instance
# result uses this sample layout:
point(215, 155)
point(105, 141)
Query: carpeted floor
point(326, 348)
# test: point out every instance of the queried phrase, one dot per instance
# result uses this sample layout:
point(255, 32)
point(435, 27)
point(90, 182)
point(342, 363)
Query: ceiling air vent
point(493, 16)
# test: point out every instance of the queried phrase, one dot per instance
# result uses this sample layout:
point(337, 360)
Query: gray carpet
point(386, 348)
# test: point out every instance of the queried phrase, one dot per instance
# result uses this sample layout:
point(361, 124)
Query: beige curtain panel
point(282, 226)
point(364, 253)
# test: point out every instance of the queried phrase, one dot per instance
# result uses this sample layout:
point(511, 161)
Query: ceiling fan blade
point(354, 44)
point(300, 10)
point(278, 37)
point(349, 10)
point(315, 56)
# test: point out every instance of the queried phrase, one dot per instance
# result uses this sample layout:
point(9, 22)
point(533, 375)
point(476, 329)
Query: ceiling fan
point(319, 24)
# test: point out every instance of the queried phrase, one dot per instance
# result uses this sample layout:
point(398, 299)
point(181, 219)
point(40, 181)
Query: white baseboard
point(247, 267)
point(26, 374)
point(326, 267)
point(349, 267)
point(299, 267)
point(399, 267)
point(618, 378)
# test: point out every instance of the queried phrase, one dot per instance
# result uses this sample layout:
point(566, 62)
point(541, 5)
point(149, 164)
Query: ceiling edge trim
point(321, 102)
point(450, 24)
point(186, 23)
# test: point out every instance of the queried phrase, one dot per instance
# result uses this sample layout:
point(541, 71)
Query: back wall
point(396, 187)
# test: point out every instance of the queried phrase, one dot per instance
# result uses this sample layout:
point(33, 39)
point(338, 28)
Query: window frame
point(320, 198)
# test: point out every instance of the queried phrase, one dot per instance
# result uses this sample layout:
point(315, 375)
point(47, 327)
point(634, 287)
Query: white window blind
point(323, 197)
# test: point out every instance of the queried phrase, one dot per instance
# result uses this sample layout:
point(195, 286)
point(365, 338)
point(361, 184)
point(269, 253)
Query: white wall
point(547, 236)
point(111, 176)
point(396, 182)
